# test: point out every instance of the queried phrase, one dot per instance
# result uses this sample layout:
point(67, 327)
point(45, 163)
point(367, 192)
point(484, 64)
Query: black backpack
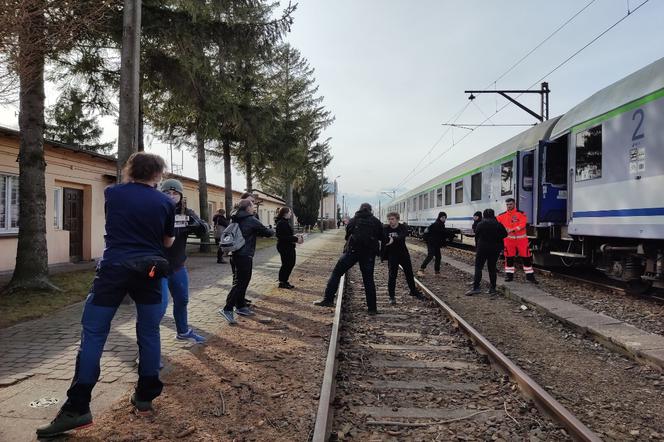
point(363, 238)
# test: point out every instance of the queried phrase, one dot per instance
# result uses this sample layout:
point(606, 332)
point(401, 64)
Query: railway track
point(406, 374)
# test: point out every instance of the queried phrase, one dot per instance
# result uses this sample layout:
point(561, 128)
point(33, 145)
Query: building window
point(589, 154)
point(506, 173)
point(448, 194)
point(476, 187)
point(57, 208)
point(8, 204)
point(458, 192)
point(439, 197)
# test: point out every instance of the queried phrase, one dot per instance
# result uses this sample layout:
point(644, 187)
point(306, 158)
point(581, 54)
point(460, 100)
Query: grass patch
point(26, 305)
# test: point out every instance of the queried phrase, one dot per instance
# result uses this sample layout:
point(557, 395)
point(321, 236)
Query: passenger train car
point(591, 183)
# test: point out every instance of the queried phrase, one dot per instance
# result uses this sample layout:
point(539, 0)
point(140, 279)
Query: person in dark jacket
point(489, 234)
point(286, 241)
point(477, 218)
point(220, 222)
point(435, 237)
point(139, 225)
point(242, 260)
point(177, 282)
point(363, 236)
point(395, 251)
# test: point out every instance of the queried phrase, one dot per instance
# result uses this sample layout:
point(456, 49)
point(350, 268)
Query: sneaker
point(286, 285)
point(228, 316)
point(190, 336)
point(417, 295)
point(492, 291)
point(324, 303)
point(373, 312)
point(509, 277)
point(248, 301)
point(421, 273)
point(530, 277)
point(63, 422)
point(245, 311)
point(393, 301)
point(142, 407)
point(472, 292)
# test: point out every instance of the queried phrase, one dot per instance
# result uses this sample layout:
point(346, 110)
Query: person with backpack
point(489, 235)
point(435, 236)
point(395, 251)
point(363, 236)
point(140, 222)
point(220, 223)
point(286, 240)
point(177, 282)
point(239, 239)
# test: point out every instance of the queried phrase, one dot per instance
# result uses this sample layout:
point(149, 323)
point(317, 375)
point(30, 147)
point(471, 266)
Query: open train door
point(552, 182)
point(526, 161)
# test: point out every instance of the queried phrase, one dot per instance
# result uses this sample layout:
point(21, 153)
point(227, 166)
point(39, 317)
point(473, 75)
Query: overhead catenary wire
point(561, 64)
point(510, 69)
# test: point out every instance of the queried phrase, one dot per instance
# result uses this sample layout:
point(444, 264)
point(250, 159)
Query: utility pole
point(129, 83)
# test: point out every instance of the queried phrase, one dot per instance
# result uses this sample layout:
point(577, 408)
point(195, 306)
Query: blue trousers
point(112, 282)
point(177, 284)
point(346, 261)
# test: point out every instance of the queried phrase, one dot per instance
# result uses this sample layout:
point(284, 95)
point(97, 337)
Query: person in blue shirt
point(139, 226)
point(177, 282)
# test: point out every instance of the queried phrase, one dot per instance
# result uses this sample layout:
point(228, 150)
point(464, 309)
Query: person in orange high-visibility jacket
point(516, 243)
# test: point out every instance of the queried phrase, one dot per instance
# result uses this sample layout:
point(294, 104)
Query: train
point(591, 182)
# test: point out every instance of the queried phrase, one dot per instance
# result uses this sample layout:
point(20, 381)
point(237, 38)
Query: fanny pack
point(149, 267)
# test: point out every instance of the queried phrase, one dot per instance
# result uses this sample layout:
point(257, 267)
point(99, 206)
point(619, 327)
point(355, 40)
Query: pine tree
point(69, 123)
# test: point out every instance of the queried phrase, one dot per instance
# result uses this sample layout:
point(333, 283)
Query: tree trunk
point(289, 198)
point(248, 173)
point(202, 189)
point(141, 120)
point(228, 190)
point(31, 271)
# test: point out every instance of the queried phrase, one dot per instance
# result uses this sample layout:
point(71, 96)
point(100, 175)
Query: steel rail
point(527, 385)
point(322, 427)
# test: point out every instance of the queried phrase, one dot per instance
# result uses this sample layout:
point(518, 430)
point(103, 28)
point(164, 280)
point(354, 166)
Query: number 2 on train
point(641, 116)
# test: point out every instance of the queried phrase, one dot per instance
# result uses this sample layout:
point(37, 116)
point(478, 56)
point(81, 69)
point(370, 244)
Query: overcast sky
point(392, 71)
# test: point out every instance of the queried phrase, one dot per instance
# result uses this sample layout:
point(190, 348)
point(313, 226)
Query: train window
point(448, 194)
point(458, 192)
point(439, 197)
point(476, 187)
point(421, 205)
point(432, 199)
point(426, 201)
point(506, 173)
point(527, 175)
point(589, 154)
point(415, 204)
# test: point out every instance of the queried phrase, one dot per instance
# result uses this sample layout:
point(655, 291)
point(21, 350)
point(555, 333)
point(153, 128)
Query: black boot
point(509, 277)
point(63, 422)
point(530, 277)
point(325, 303)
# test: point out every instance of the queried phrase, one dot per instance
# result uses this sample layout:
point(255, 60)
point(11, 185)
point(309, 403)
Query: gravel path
point(465, 399)
point(617, 398)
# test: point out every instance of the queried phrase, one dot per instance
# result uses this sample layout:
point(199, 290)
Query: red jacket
point(515, 222)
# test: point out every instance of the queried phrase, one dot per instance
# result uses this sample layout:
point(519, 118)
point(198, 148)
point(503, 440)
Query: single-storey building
point(75, 183)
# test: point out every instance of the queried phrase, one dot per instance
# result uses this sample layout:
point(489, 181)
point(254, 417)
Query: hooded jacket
point(436, 234)
point(285, 236)
point(489, 235)
point(364, 217)
point(185, 224)
point(250, 228)
point(398, 246)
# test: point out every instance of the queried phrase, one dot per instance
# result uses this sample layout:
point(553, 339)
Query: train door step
point(399, 347)
point(425, 385)
point(407, 363)
point(403, 334)
point(424, 413)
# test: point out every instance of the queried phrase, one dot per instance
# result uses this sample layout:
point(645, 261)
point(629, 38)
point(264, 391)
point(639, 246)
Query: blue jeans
point(112, 282)
point(177, 284)
point(346, 261)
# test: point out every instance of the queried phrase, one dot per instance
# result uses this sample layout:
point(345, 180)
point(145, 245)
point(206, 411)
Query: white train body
point(591, 183)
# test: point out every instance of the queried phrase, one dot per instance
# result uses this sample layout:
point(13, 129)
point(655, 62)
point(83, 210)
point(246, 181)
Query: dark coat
point(400, 233)
point(176, 254)
point(489, 235)
point(436, 235)
point(285, 236)
point(377, 233)
point(251, 228)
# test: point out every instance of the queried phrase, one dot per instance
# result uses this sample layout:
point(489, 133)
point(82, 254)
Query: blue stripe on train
point(648, 211)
